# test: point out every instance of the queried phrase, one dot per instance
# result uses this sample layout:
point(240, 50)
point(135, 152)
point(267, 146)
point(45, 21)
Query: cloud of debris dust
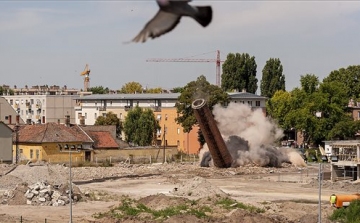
point(249, 137)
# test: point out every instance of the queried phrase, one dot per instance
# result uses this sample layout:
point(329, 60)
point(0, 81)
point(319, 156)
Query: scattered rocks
point(40, 193)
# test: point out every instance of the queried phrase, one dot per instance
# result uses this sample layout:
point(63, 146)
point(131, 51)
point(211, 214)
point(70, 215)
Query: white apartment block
point(39, 109)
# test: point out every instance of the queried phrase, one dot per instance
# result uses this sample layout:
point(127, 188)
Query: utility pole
point(320, 171)
point(164, 158)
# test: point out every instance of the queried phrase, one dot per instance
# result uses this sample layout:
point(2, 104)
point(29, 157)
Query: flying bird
point(169, 15)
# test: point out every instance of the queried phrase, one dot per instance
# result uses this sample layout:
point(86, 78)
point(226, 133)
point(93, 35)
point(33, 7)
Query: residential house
point(8, 114)
point(6, 143)
point(52, 142)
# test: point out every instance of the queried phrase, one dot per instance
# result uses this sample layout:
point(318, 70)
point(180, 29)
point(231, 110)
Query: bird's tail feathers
point(204, 15)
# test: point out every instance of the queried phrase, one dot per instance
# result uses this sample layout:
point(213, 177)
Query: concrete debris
point(44, 194)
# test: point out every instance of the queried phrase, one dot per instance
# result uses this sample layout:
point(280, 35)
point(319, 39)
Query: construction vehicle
point(343, 200)
point(86, 74)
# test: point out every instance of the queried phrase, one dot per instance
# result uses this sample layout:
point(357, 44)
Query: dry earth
point(287, 194)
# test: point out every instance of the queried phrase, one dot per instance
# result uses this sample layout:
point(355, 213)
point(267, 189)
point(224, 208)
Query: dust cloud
point(250, 138)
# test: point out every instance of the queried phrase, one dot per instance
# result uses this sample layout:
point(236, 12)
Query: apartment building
point(40, 109)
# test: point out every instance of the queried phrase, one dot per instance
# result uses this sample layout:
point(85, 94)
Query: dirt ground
point(287, 194)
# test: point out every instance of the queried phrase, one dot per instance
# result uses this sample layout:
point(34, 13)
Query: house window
point(110, 102)
point(85, 115)
point(178, 131)
point(120, 116)
point(178, 143)
point(104, 114)
point(21, 151)
point(250, 103)
point(37, 154)
point(257, 103)
point(158, 117)
point(11, 101)
point(79, 115)
point(31, 101)
point(95, 116)
point(358, 114)
point(31, 153)
point(166, 117)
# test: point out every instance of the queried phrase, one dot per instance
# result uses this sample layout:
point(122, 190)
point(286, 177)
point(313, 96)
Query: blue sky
point(49, 42)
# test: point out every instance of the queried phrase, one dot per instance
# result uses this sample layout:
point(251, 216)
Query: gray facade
point(6, 143)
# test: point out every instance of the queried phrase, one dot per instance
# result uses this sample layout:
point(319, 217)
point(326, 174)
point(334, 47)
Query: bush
point(350, 214)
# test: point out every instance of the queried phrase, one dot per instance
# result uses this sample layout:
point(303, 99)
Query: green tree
point(239, 72)
point(273, 78)
point(99, 90)
point(131, 88)
point(309, 83)
point(177, 89)
point(157, 90)
point(200, 88)
point(278, 106)
point(140, 126)
point(349, 77)
point(110, 119)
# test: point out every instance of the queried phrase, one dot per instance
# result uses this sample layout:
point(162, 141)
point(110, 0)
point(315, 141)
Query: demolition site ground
point(176, 192)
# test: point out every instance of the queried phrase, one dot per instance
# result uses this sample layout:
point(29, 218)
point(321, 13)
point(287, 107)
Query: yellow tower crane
point(86, 74)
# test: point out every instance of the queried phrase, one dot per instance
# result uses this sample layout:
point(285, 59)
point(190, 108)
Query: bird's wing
point(162, 23)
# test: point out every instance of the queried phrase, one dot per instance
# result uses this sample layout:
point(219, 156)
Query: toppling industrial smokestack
point(217, 148)
point(249, 136)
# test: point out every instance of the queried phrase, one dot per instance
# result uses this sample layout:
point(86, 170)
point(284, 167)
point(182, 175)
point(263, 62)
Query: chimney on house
point(67, 120)
point(9, 119)
point(82, 120)
point(17, 119)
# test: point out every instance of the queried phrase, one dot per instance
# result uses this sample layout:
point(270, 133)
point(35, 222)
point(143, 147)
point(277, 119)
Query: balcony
point(157, 109)
point(102, 108)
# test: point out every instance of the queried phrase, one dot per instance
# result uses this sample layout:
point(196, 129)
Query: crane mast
point(216, 60)
point(86, 74)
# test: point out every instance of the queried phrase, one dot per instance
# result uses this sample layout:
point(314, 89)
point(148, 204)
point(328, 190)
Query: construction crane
point(216, 60)
point(86, 74)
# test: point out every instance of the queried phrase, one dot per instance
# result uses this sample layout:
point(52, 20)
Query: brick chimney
point(17, 119)
point(67, 120)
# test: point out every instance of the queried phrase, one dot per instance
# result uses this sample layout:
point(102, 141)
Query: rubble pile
point(41, 193)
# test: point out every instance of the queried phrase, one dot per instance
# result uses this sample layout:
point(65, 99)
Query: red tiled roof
point(103, 139)
point(51, 132)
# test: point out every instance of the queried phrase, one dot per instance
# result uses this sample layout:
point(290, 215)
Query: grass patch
point(229, 204)
point(130, 207)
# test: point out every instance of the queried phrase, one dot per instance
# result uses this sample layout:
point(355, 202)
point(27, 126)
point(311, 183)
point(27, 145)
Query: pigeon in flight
point(169, 16)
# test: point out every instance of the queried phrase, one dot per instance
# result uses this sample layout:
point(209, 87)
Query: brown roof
point(51, 132)
point(103, 139)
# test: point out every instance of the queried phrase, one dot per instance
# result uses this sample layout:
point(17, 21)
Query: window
point(358, 114)
point(178, 131)
point(104, 114)
point(21, 151)
point(31, 153)
point(31, 101)
point(257, 103)
point(85, 115)
point(79, 115)
point(110, 102)
point(37, 154)
point(11, 101)
point(95, 116)
point(250, 103)
point(120, 116)
point(166, 116)
point(158, 117)
point(178, 143)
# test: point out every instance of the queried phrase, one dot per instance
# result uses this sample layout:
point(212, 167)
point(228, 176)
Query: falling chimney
point(67, 120)
point(217, 147)
point(9, 119)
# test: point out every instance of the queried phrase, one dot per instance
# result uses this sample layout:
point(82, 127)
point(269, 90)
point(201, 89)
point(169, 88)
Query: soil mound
point(196, 187)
